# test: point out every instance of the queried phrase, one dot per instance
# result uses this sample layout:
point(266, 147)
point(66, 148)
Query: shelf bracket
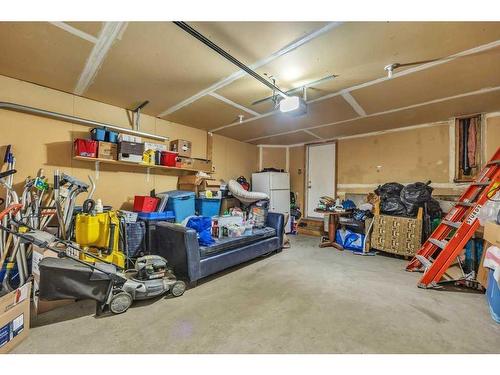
point(97, 163)
point(148, 173)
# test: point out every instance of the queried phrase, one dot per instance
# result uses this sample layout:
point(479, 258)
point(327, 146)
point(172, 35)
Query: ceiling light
point(290, 74)
point(293, 105)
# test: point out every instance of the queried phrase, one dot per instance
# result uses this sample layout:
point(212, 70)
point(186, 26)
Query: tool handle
point(7, 173)
point(6, 157)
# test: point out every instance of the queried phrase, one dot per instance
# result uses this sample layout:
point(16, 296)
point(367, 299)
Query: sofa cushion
point(226, 243)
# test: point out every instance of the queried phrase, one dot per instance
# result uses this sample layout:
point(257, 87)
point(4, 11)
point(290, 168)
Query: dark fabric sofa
point(179, 246)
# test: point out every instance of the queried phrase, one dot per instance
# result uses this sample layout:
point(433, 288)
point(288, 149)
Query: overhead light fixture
point(293, 105)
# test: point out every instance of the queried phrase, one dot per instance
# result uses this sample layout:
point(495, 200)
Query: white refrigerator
point(277, 186)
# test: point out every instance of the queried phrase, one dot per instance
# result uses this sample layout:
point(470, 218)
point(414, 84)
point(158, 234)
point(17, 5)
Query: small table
point(333, 223)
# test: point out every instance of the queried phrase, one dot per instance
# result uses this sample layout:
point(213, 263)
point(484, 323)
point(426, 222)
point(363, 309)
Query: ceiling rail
point(76, 120)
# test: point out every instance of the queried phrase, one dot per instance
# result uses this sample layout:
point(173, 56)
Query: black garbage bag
point(434, 209)
point(414, 196)
point(393, 206)
point(391, 189)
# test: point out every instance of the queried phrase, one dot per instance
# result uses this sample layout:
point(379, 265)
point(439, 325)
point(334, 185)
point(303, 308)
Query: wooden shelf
point(131, 164)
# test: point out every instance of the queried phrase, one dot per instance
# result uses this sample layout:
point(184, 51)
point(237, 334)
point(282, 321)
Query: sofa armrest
point(179, 246)
point(277, 221)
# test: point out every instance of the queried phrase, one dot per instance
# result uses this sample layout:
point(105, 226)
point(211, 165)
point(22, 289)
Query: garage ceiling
point(188, 83)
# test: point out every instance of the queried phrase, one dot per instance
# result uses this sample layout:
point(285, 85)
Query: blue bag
point(350, 240)
point(203, 226)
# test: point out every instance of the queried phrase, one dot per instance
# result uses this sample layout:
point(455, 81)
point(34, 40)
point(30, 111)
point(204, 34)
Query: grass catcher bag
point(64, 278)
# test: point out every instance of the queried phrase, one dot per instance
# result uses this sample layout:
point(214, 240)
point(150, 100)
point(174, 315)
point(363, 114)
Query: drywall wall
point(492, 135)
point(297, 172)
point(274, 157)
point(45, 143)
point(417, 154)
point(232, 158)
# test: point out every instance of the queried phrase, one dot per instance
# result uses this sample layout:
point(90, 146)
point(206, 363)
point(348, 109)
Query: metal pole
point(76, 120)
point(184, 26)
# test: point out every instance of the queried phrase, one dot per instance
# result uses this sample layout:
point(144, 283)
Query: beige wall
point(297, 172)
point(45, 143)
point(492, 135)
point(417, 154)
point(233, 158)
point(274, 157)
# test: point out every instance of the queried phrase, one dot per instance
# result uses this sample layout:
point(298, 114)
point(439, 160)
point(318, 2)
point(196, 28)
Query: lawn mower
point(68, 277)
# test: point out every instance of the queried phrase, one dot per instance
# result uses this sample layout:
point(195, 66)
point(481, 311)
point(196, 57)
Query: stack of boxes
point(109, 145)
point(130, 148)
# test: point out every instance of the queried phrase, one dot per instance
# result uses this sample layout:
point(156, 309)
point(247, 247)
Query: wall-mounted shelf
point(130, 164)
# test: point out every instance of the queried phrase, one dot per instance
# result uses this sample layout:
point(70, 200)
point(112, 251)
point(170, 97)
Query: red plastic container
point(143, 203)
point(168, 158)
point(86, 147)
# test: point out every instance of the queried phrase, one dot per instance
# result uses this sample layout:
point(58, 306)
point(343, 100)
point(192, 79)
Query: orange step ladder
point(437, 254)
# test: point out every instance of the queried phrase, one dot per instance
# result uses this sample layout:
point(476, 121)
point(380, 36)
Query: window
point(467, 148)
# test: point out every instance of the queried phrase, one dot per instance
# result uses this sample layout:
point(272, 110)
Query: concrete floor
point(303, 300)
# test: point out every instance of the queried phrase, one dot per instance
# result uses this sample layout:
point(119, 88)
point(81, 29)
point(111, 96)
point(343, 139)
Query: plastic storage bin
point(493, 297)
point(144, 203)
point(168, 158)
point(208, 206)
point(182, 203)
point(98, 134)
point(160, 216)
point(86, 147)
point(111, 136)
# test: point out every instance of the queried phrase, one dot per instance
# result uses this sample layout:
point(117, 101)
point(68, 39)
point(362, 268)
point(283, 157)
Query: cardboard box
point(131, 148)
point(228, 203)
point(190, 180)
point(482, 272)
point(130, 158)
point(185, 162)
point(210, 184)
point(107, 150)
point(14, 318)
point(202, 165)
point(181, 146)
point(129, 138)
point(154, 146)
point(41, 306)
point(492, 233)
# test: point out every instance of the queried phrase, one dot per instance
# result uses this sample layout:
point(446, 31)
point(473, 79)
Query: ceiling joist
point(477, 92)
point(354, 104)
point(240, 73)
point(311, 133)
point(343, 92)
point(77, 32)
point(109, 33)
point(230, 102)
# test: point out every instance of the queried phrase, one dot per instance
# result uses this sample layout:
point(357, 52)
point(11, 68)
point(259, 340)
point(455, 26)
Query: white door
point(320, 177)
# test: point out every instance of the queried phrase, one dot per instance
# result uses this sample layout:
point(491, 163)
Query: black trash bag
point(434, 209)
point(391, 189)
point(414, 196)
point(392, 206)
